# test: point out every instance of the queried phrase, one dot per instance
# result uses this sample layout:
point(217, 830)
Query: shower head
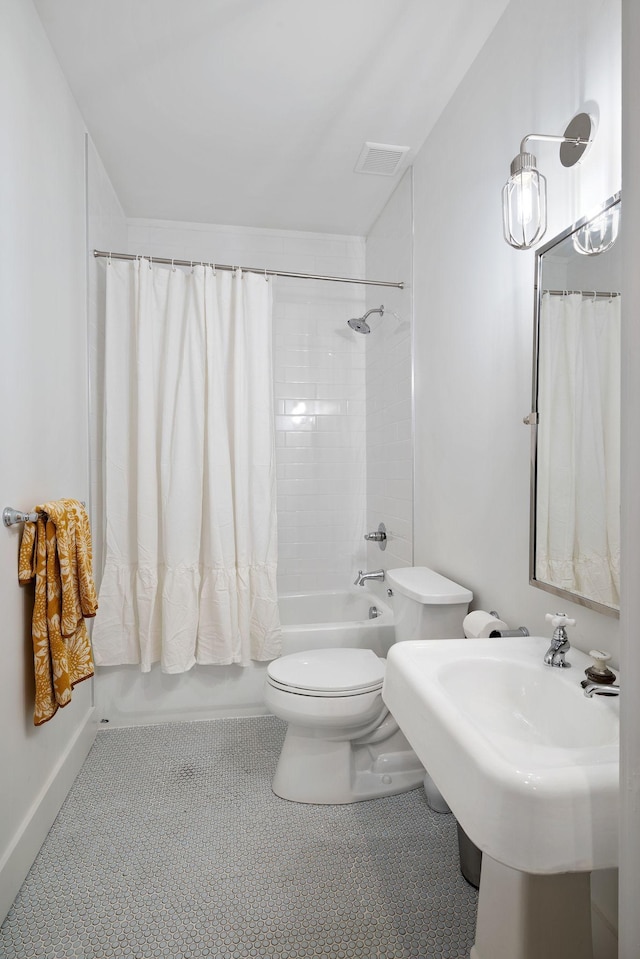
point(359, 323)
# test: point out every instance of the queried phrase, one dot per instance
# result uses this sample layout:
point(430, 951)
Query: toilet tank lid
point(427, 586)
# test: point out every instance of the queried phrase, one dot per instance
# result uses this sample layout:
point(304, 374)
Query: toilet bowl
point(342, 744)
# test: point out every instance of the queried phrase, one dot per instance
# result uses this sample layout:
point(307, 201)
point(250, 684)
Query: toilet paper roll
point(479, 624)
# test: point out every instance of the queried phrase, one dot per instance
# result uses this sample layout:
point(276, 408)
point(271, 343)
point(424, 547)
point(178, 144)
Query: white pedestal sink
point(529, 767)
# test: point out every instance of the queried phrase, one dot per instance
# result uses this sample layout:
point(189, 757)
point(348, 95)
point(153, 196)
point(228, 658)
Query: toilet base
point(312, 769)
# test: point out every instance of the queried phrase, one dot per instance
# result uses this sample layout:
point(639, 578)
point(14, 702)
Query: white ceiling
point(254, 112)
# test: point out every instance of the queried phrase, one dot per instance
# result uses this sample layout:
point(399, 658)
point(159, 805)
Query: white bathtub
point(333, 619)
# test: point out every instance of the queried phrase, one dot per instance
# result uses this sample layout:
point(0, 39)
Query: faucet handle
point(559, 619)
point(598, 671)
point(600, 660)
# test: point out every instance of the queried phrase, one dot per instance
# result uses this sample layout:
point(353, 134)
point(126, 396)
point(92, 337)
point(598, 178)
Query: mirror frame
point(532, 419)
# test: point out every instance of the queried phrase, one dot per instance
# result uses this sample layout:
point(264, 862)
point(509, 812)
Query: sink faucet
point(554, 656)
point(362, 578)
point(599, 689)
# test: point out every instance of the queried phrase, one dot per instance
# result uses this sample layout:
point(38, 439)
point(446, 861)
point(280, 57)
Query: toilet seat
point(328, 672)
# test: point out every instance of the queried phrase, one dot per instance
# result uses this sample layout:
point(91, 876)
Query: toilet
point(342, 744)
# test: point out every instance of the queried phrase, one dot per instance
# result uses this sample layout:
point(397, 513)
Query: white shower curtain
point(578, 468)
point(191, 548)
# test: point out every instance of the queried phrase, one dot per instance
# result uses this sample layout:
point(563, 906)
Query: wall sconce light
point(524, 195)
point(598, 235)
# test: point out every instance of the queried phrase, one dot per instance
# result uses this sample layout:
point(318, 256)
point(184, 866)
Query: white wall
point(474, 294)
point(473, 298)
point(106, 230)
point(43, 397)
point(319, 373)
point(390, 382)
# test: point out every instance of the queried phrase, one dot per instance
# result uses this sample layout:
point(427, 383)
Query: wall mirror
point(575, 419)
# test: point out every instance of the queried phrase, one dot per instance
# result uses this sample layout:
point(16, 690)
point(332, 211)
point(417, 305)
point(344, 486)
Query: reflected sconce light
point(599, 234)
point(524, 195)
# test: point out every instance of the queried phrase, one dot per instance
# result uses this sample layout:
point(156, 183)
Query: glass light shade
point(524, 203)
point(599, 235)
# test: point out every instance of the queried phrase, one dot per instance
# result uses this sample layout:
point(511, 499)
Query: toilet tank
point(426, 605)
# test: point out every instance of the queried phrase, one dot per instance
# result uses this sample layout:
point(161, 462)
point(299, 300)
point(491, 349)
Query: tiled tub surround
point(319, 372)
point(171, 843)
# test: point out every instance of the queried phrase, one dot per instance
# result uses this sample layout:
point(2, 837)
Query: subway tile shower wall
point(319, 370)
point(319, 387)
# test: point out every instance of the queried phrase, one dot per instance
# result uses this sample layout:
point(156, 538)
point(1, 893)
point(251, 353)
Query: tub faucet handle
point(379, 536)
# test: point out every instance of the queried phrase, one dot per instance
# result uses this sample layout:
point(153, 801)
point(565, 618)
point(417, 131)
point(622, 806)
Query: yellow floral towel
point(57, 552)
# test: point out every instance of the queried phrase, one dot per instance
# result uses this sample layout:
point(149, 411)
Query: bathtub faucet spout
point(362, 578)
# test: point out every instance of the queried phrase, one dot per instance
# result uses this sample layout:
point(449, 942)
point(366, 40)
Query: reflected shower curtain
point(578, 495)
point(191, 547)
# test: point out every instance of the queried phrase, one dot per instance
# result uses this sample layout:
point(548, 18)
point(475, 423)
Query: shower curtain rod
point(248, 269)
point(582, 293)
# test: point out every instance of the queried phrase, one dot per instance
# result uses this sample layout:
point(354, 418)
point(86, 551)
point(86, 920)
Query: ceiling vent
point(381, 159)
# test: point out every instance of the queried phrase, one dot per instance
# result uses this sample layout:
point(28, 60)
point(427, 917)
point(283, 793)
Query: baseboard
point(39, 818)
point(156, 718)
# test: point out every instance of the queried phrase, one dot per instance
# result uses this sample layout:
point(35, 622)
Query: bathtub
point(335, 618)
